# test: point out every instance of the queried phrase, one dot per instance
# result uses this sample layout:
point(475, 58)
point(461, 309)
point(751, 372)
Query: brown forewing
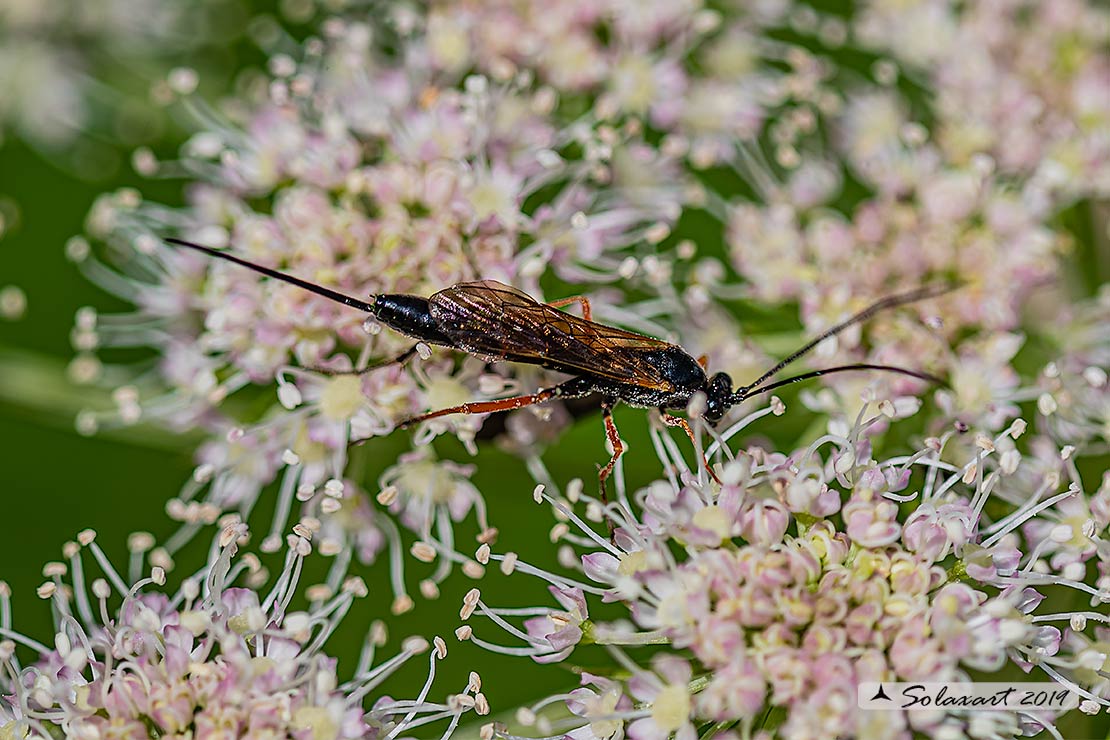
point(498, 321)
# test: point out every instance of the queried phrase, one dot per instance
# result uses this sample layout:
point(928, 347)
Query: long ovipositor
point(407, 314)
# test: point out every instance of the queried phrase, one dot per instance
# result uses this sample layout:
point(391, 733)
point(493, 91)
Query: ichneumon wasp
point(500, 323)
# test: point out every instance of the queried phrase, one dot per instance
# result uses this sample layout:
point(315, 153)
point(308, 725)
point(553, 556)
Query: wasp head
point(718, 397)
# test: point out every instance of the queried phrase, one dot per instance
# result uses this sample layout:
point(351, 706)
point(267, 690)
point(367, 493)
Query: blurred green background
point(57, 482)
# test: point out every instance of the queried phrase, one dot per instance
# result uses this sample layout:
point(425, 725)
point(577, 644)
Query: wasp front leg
point(678, 421)
point(614, 438)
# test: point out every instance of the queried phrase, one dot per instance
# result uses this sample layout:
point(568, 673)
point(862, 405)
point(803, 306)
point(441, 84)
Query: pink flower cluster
point(947, 229)
point(805, 574)
point(963, 190)
point(538, 144)
point(368, 173)
point(211, 660)
point(1021, 81)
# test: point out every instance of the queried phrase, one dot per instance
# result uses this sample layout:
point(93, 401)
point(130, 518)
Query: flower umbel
point(216, 658)
point(803, 575)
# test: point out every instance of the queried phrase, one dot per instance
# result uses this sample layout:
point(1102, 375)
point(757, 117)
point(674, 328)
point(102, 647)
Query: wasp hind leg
point(677, 421)
point(400, 359)
point(573, 388)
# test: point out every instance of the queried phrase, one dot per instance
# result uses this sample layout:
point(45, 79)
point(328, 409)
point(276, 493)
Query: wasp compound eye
point(721, 382)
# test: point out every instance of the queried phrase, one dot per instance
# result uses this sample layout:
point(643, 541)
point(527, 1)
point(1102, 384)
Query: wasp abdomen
point(410, 315)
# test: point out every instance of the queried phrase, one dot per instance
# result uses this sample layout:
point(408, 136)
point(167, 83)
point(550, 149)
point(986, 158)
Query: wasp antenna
point(317, 289)
point(902, 299)
point(748, 392)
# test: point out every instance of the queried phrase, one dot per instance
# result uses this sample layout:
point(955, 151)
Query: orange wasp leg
point(581, 300)
point(485, 407)
point(677, 421)
point(398, 360)
point(618, 449)
point(614, 442)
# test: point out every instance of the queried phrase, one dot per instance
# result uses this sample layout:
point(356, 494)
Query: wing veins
point(496, 320)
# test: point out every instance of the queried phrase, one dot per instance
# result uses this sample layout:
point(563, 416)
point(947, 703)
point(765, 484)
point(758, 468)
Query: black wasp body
point(500, 323)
